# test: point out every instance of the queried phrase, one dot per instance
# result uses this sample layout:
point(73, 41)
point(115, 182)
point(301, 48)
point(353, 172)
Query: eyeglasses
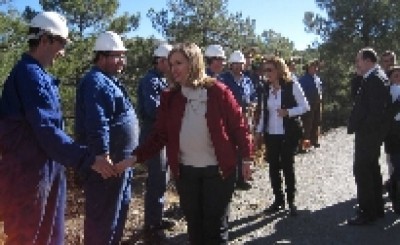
point(59, 39)
point(268, 69)
point(117, 56)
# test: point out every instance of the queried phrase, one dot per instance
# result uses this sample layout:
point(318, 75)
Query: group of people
point(35, 150)
point(192, 117)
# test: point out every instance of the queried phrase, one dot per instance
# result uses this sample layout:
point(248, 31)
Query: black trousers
point(204, 199)
point(367, 174)
point(280, 156)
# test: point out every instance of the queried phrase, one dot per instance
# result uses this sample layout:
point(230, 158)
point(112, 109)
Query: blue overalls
point(149, 91)
point(243, 90)
point(33, 144)
point(106, 121)
point(245, 94)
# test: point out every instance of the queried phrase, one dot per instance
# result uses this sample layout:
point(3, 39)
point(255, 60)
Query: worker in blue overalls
point(148, 98)
point(245, 94)
point(33, 146)
point(215, 59)
point(106, 121)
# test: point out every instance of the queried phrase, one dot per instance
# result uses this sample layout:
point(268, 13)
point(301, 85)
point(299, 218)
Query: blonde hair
point(281, 67)
point(197, 76)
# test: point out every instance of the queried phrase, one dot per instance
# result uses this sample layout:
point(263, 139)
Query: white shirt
point(196, 148)
point(275, 122)
point(395, 93)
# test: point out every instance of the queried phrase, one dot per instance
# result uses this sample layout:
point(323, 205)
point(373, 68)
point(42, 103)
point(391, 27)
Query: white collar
point(195, 94)
point(376, 66)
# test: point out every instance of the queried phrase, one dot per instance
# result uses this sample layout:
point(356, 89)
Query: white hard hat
point(237, 57)
point(109, 41)
point(215, 50)
point(162, 50)
point(51, 22)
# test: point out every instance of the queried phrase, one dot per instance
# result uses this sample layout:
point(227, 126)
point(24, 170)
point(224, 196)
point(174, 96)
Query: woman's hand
point(282, 112)
point(124, 164)
point(246, 169)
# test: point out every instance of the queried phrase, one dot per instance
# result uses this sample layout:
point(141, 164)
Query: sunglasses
point(59, 39)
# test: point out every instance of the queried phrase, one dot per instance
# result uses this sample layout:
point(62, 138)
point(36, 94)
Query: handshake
point(105, 167)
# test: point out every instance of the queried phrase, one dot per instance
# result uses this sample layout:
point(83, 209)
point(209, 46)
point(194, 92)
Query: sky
point(282, 16)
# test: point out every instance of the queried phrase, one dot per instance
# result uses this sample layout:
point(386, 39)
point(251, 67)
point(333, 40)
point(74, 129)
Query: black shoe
point(275, 207)
point(316, 145)
point(243, 186)
point(153, 236)
point(360, 220)
point(292, 210)
point(388, 187)
point(164, 225)
point(396, 198)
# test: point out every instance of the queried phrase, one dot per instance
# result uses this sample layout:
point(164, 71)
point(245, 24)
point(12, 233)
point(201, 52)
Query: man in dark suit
point(367, 121)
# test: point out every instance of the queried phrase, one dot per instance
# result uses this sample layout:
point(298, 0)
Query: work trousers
point(156, 183)
point(106, 208)
point(204, 198)
point(34, 204)
point(311, 122)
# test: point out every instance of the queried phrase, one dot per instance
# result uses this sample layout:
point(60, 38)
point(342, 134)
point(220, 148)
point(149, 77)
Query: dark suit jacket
point(370, 108)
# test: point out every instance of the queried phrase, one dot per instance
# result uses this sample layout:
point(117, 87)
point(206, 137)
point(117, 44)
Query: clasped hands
point(106, 168)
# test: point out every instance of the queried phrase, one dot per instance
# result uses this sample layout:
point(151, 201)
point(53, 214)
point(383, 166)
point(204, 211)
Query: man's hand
point(104, 166)
point(124, 164)
point(258, 141)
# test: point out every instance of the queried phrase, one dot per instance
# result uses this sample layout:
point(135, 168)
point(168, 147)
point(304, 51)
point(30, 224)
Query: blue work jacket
point(243, 90)
point(34, 150)
point(311, 85)
point(148, 95)
point(105, 117)
point(31, 98)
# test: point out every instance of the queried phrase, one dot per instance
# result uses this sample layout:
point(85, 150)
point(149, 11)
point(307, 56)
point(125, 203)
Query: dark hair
point(209, 60)
point(369, 54)
point(33, 42)
point(392, 69)
point(97, 55)
point(314, 62)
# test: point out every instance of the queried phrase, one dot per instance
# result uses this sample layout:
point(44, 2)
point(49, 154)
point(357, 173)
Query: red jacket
point(228, 129)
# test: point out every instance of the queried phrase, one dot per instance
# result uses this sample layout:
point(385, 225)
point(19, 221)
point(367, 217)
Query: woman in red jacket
point(202, 126)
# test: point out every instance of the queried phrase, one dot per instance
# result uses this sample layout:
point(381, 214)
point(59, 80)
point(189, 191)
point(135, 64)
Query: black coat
point(370, 114)
point(292, 125)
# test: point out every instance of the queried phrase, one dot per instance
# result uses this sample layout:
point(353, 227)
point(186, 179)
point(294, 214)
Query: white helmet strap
point(36, 35)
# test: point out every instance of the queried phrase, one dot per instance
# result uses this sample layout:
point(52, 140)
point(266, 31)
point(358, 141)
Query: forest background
point(343, 27)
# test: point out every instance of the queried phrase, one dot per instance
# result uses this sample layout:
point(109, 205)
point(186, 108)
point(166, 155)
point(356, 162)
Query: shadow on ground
point(325, 226)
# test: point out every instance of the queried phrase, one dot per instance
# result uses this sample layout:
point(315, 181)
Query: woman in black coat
point(283, 103)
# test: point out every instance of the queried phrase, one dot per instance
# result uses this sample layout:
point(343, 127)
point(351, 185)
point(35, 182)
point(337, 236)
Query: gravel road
point(325, 198)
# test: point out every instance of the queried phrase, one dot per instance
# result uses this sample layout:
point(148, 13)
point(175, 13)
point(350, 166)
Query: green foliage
point(276, 44)
point(124, 23)
point(12, 42)
point(348, 26)
point(203, 22)
point(83, 14)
